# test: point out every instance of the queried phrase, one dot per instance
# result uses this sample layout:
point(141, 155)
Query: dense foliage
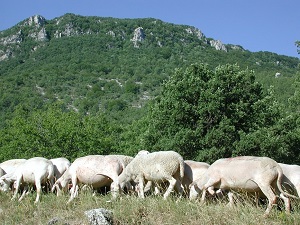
point(90, 91)
point(201, 112)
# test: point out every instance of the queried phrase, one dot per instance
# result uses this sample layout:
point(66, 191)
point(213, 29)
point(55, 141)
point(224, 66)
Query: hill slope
point(94, 64)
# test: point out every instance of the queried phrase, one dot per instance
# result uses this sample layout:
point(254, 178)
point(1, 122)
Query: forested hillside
point(79, 85)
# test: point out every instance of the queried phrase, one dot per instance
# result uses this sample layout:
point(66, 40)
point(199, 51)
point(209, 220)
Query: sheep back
point(156, 166)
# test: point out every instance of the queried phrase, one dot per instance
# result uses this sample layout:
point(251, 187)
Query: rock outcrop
point(37, 21)
point(218, 45)
point(195, 31)
point(138, 36)
point(39, 35)
point(12, 39)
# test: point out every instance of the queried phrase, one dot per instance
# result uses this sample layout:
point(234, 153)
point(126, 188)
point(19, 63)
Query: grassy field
point(132, 210)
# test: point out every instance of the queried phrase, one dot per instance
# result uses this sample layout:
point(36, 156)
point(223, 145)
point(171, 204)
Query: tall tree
point(201, 112)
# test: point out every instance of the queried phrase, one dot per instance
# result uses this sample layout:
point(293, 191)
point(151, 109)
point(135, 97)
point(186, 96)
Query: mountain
point(116, 66)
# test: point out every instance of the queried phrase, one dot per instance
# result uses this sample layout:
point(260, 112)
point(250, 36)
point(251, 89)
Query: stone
point(36, 20)
point(12, 39)
point(138, 36)
point(218, 45)
point(40, 35)
point(277, 75)
point(53, 221)
point(195, 31)
point(99, 216)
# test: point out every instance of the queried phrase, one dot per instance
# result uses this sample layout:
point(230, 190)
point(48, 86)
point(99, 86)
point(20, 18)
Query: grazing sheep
point(35, 171)
point(60, 166)
point(291, 178)
point(11, 165)
point(290, 183)
point(94, 170)
point(244, 173)
point(124, 159)
point(193, 170)
point(156, 167)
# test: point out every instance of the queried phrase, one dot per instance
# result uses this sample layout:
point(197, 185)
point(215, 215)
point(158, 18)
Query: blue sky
point(257, 25)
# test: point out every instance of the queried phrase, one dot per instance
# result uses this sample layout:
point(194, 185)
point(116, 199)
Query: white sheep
point(60, 166)
point(35, 171)
point(94, 170)
point(125, 159)
point(156, 167)
point(10, 166)
point(245, 173)
point(193, 170)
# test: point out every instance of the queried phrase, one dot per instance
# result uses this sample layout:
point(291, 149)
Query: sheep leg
point(58, 190)
point(210, 185)
point(203, 196)
point(230, 197)
point(17, 186)
point(24, 193)
point(74, 189)
point(114, 189)
point(73, 193)
point(38, 190)
point(287, 203)
point(194, 191)
point(179, 188)
point(172, 182)
point(141, 188)
point(51, 182)
point(156, 190)
point(267, 190)
point(148, 186)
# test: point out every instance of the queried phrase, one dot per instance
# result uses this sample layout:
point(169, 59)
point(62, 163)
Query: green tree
point(201, 112)
point(54, 132)
point(279, 140)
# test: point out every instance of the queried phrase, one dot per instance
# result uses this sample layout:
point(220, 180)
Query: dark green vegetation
point(77, 85)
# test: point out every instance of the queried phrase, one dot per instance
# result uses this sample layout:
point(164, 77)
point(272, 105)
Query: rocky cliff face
point(37, 21)
point(12, 39)
point(138, 36)
point(40, 30)
point(218, 45)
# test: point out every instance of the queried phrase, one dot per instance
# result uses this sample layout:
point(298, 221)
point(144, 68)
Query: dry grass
point(132, 210)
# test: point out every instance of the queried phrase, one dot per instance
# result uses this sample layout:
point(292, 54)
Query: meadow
point(132, 210)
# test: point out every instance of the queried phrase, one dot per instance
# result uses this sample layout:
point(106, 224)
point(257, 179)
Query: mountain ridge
point(93, 64)
point(39, 29)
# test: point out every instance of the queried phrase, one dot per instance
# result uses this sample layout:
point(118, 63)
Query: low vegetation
point(132, 210)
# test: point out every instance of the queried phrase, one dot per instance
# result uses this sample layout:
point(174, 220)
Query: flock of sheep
point(147, 171)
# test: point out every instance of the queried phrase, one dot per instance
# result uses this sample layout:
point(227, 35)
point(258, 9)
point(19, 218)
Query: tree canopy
point(202, 112)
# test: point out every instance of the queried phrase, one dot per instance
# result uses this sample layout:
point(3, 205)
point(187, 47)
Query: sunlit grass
point(132, 210)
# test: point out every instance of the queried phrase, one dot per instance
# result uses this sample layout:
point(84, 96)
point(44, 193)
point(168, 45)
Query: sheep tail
point(181, 164)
